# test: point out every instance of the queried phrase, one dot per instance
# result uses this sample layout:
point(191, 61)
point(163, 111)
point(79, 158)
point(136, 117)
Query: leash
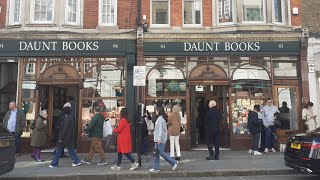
point(275, 136)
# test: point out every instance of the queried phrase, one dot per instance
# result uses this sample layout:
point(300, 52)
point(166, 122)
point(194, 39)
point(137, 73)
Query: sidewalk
point(192, 164)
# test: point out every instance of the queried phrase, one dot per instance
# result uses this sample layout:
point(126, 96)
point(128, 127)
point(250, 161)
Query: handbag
point(156, 151)
point(111, 143)
point(107, 129)
point(150, 125)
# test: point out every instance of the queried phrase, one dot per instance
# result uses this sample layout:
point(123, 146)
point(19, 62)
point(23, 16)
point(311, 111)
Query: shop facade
point(92, 72)
point(238, 71)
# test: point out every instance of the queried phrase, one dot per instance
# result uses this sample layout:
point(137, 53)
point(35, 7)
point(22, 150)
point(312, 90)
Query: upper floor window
point(30, 68)
point(72, 14)
point(192, 12)
point(280, 14)
point(108, 12)
point(253, 10)
point(15, 12)
point(160, 14)
point(42, 11)
point(225, 11)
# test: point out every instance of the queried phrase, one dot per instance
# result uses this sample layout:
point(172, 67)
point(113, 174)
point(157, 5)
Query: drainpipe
point(139, 13)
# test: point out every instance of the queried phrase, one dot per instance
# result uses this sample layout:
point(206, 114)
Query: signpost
point(139, 79)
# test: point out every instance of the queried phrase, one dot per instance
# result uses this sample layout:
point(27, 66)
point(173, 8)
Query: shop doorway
point(199, 99)
point(52, 98)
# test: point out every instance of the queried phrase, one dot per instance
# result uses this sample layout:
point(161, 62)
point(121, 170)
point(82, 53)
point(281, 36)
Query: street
point(283, 177)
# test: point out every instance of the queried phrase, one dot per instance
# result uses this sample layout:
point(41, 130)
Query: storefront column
point(304, 70)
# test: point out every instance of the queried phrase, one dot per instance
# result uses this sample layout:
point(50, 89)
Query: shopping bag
point(107, 129)
point(150, 125)
point(111, 143)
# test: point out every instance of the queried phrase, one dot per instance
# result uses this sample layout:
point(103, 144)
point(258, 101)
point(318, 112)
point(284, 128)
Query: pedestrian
point(66, 138)
point(255, 126)
point(174, 127)
point(268, 118)
point(61, 117)
point(95, 131)
point(124, 141)
point(212, 124)
point(145, 127)
point(309, 118)
point(15, 121)
point(160, 138)
point(39, 135)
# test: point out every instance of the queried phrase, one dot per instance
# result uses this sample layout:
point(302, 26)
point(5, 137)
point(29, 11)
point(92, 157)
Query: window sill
point(107, 27)
point(41, 25)
point(251, 27)
point(71, 26)
point(13, 26)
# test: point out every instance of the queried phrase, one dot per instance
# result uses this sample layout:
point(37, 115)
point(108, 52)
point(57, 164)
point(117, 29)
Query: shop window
point(253, 10)
point(160, 14)
point(225, 11)
point(192, 13)
point(29, 108)
point(250, 85)
point(107, 12)
point(42, 11)
point(166, 81)
point(72, 12)
point(104, 81)
point(15, 12)
point(287, 103)
point(282, 69)
point(28, 89)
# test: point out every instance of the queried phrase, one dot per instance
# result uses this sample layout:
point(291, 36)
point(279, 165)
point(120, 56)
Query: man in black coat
point(212, 124)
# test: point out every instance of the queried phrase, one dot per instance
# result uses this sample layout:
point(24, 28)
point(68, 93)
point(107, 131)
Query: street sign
point(139, 76)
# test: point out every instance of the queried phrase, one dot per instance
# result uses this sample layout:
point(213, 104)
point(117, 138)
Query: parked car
point(7, 150)
point(303, 152)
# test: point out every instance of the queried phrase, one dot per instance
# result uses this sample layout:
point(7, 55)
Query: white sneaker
point(134, 166)
point(102, 163)
point(75, 165)
point(250, 151)
point(273, 150)
point(115, 167)
point(257, 153)
point(154, 170)
point(50, 166)
point(175, 166)
point(266, 150)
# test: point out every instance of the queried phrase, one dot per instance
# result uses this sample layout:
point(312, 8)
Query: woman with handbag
point(124, 140)
point(160, 138)
point(174, 129)
point(147, 125)
point(310, 120)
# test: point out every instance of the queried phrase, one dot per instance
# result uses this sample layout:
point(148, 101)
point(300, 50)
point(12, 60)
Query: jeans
point(144, 148)
point(17, 142)
point(72, 153)
point(256, 141)
point(156, 160)
point(96, 147)
point(269, 137)
point(174, 144)
point(128, 155)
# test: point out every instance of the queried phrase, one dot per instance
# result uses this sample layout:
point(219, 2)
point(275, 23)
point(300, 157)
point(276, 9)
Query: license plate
point(4, 143)
point(295, 146)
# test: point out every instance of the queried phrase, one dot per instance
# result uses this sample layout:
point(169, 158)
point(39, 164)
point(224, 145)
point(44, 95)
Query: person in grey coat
point(39, 135)
point(160, 139)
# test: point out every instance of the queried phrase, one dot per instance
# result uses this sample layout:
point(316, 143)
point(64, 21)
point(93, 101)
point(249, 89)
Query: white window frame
point(193, 25)
point(115, 14)
point(32, 13)
point(33, 69)
point(233, 11)
point(66, 13)
point(257, 22)
point(159, 25)
point(283, 10)
point(12, 8)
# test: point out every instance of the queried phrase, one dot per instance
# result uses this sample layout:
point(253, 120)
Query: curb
point(164, 174)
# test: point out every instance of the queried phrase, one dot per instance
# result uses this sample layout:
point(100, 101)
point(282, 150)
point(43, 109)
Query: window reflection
point(29, 108)
point(28, 89)
point(287, 99)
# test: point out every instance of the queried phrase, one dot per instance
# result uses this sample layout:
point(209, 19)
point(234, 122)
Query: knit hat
point(67, 104)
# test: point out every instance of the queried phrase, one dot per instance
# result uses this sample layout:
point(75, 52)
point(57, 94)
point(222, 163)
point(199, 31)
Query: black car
point(303, 152)
point(7, 150)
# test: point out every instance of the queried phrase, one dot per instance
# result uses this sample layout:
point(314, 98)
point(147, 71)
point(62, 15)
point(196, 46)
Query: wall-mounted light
point(11, 60)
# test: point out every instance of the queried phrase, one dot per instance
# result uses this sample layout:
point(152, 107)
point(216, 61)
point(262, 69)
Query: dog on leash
point(282, 147)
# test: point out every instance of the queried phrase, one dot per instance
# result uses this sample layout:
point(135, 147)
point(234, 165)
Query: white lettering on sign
point(281, 46)
point(1, 46)
point(52, 46)
point(228, 46)
point(162, 46)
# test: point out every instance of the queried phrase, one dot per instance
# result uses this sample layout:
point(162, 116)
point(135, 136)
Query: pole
point(140, 141)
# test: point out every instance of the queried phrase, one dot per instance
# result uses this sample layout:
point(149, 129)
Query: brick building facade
point(193, 50)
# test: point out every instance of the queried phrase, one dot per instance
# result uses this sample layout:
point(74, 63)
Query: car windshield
point(3, 131)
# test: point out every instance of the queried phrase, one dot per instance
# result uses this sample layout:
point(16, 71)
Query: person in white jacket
point(309, 118)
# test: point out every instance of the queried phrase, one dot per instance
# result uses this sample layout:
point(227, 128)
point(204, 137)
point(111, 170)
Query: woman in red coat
point(124, 141)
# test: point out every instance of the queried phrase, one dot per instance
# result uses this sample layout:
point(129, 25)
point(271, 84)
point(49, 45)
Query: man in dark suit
point(212, 124)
